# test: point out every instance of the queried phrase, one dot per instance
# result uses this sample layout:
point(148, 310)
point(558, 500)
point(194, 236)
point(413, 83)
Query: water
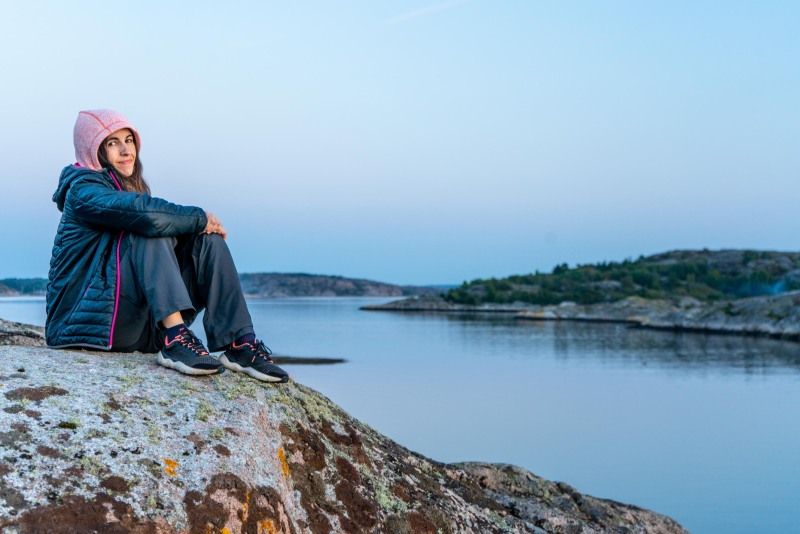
point(701, 428)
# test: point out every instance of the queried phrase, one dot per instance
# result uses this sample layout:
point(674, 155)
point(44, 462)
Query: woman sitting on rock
point(130, 271)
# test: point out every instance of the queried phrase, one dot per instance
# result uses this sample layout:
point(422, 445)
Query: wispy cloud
point(423, 11)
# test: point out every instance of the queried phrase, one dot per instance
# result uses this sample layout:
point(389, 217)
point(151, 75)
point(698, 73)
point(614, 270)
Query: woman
point(130, 272)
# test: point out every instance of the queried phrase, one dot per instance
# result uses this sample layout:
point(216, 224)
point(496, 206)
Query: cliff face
point(96, 442)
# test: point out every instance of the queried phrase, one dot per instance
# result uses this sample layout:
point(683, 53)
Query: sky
point(419, 142)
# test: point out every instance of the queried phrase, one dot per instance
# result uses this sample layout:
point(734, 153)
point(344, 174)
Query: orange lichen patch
point(284, 464)
point(225, 530)
point(267, 527)
point(245, 506)
point(221, 502)
point(172, 467)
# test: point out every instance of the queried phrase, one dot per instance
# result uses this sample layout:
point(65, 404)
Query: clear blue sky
point(420, 142)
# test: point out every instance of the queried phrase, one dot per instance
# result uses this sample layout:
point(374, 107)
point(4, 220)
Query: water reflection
point(620, 344)
point(675, 350)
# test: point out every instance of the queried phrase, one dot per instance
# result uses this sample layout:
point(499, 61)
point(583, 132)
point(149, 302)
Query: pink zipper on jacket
point(116, 298)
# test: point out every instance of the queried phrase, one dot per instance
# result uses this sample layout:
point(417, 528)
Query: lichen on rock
point(163, 453)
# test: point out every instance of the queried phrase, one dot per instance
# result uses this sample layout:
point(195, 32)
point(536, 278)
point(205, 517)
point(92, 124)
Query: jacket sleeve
point(94, 203)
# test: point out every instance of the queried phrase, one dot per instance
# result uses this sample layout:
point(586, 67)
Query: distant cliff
point(264, 285)
point(316, 285)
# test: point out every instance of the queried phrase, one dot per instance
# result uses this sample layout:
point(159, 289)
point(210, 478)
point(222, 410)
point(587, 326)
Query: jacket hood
point(91, 128)
point(69, 175)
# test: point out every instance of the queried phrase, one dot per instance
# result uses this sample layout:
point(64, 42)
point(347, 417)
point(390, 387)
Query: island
point(726, 291)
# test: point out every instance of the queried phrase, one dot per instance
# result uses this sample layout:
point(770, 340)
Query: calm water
point(702, 428)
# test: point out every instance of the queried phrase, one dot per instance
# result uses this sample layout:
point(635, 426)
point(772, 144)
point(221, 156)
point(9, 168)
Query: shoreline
point(774, 316)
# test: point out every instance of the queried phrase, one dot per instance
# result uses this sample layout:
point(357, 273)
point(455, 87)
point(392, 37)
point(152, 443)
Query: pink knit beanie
point(91, 128)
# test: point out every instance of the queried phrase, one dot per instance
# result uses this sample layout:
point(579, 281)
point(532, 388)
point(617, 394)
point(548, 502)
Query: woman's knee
point(215, 239)
point(212, 242)
point(138, 242)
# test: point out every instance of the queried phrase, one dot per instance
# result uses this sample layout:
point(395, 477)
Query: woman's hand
point(214, 226)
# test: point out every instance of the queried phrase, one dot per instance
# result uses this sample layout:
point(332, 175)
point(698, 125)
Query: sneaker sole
point(249, 371)
point(185, 369)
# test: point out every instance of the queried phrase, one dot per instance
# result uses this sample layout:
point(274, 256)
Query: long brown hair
point(135, 182)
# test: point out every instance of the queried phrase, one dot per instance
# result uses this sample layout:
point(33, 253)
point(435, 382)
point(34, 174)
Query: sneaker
point(186, 353)
point(254, 360)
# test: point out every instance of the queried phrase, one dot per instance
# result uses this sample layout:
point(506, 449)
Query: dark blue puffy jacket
point(83, 291)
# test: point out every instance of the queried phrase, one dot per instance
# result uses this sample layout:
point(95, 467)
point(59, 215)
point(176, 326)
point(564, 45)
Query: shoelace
point(262, 350)
point(188, 340)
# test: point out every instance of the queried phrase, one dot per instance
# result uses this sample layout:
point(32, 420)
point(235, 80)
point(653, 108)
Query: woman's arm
point(94, 203)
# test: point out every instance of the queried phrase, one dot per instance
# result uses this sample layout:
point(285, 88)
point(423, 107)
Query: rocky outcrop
point(775, 316)
point(98, 442)
point(21, 334)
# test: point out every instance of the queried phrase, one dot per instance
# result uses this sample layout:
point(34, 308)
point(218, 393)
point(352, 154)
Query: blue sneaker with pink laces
point(253, 359)
point(185, 353)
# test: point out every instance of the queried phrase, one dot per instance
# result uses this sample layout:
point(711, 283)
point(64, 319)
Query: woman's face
point(121, 151)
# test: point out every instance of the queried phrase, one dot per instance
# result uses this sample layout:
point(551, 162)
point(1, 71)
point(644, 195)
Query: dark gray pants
point(188, 273)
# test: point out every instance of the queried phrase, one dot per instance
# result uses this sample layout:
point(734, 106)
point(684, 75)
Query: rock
point(772, 316)
point(21, 334)
point(776, 316)
point(543, 315)
point(100, 442)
